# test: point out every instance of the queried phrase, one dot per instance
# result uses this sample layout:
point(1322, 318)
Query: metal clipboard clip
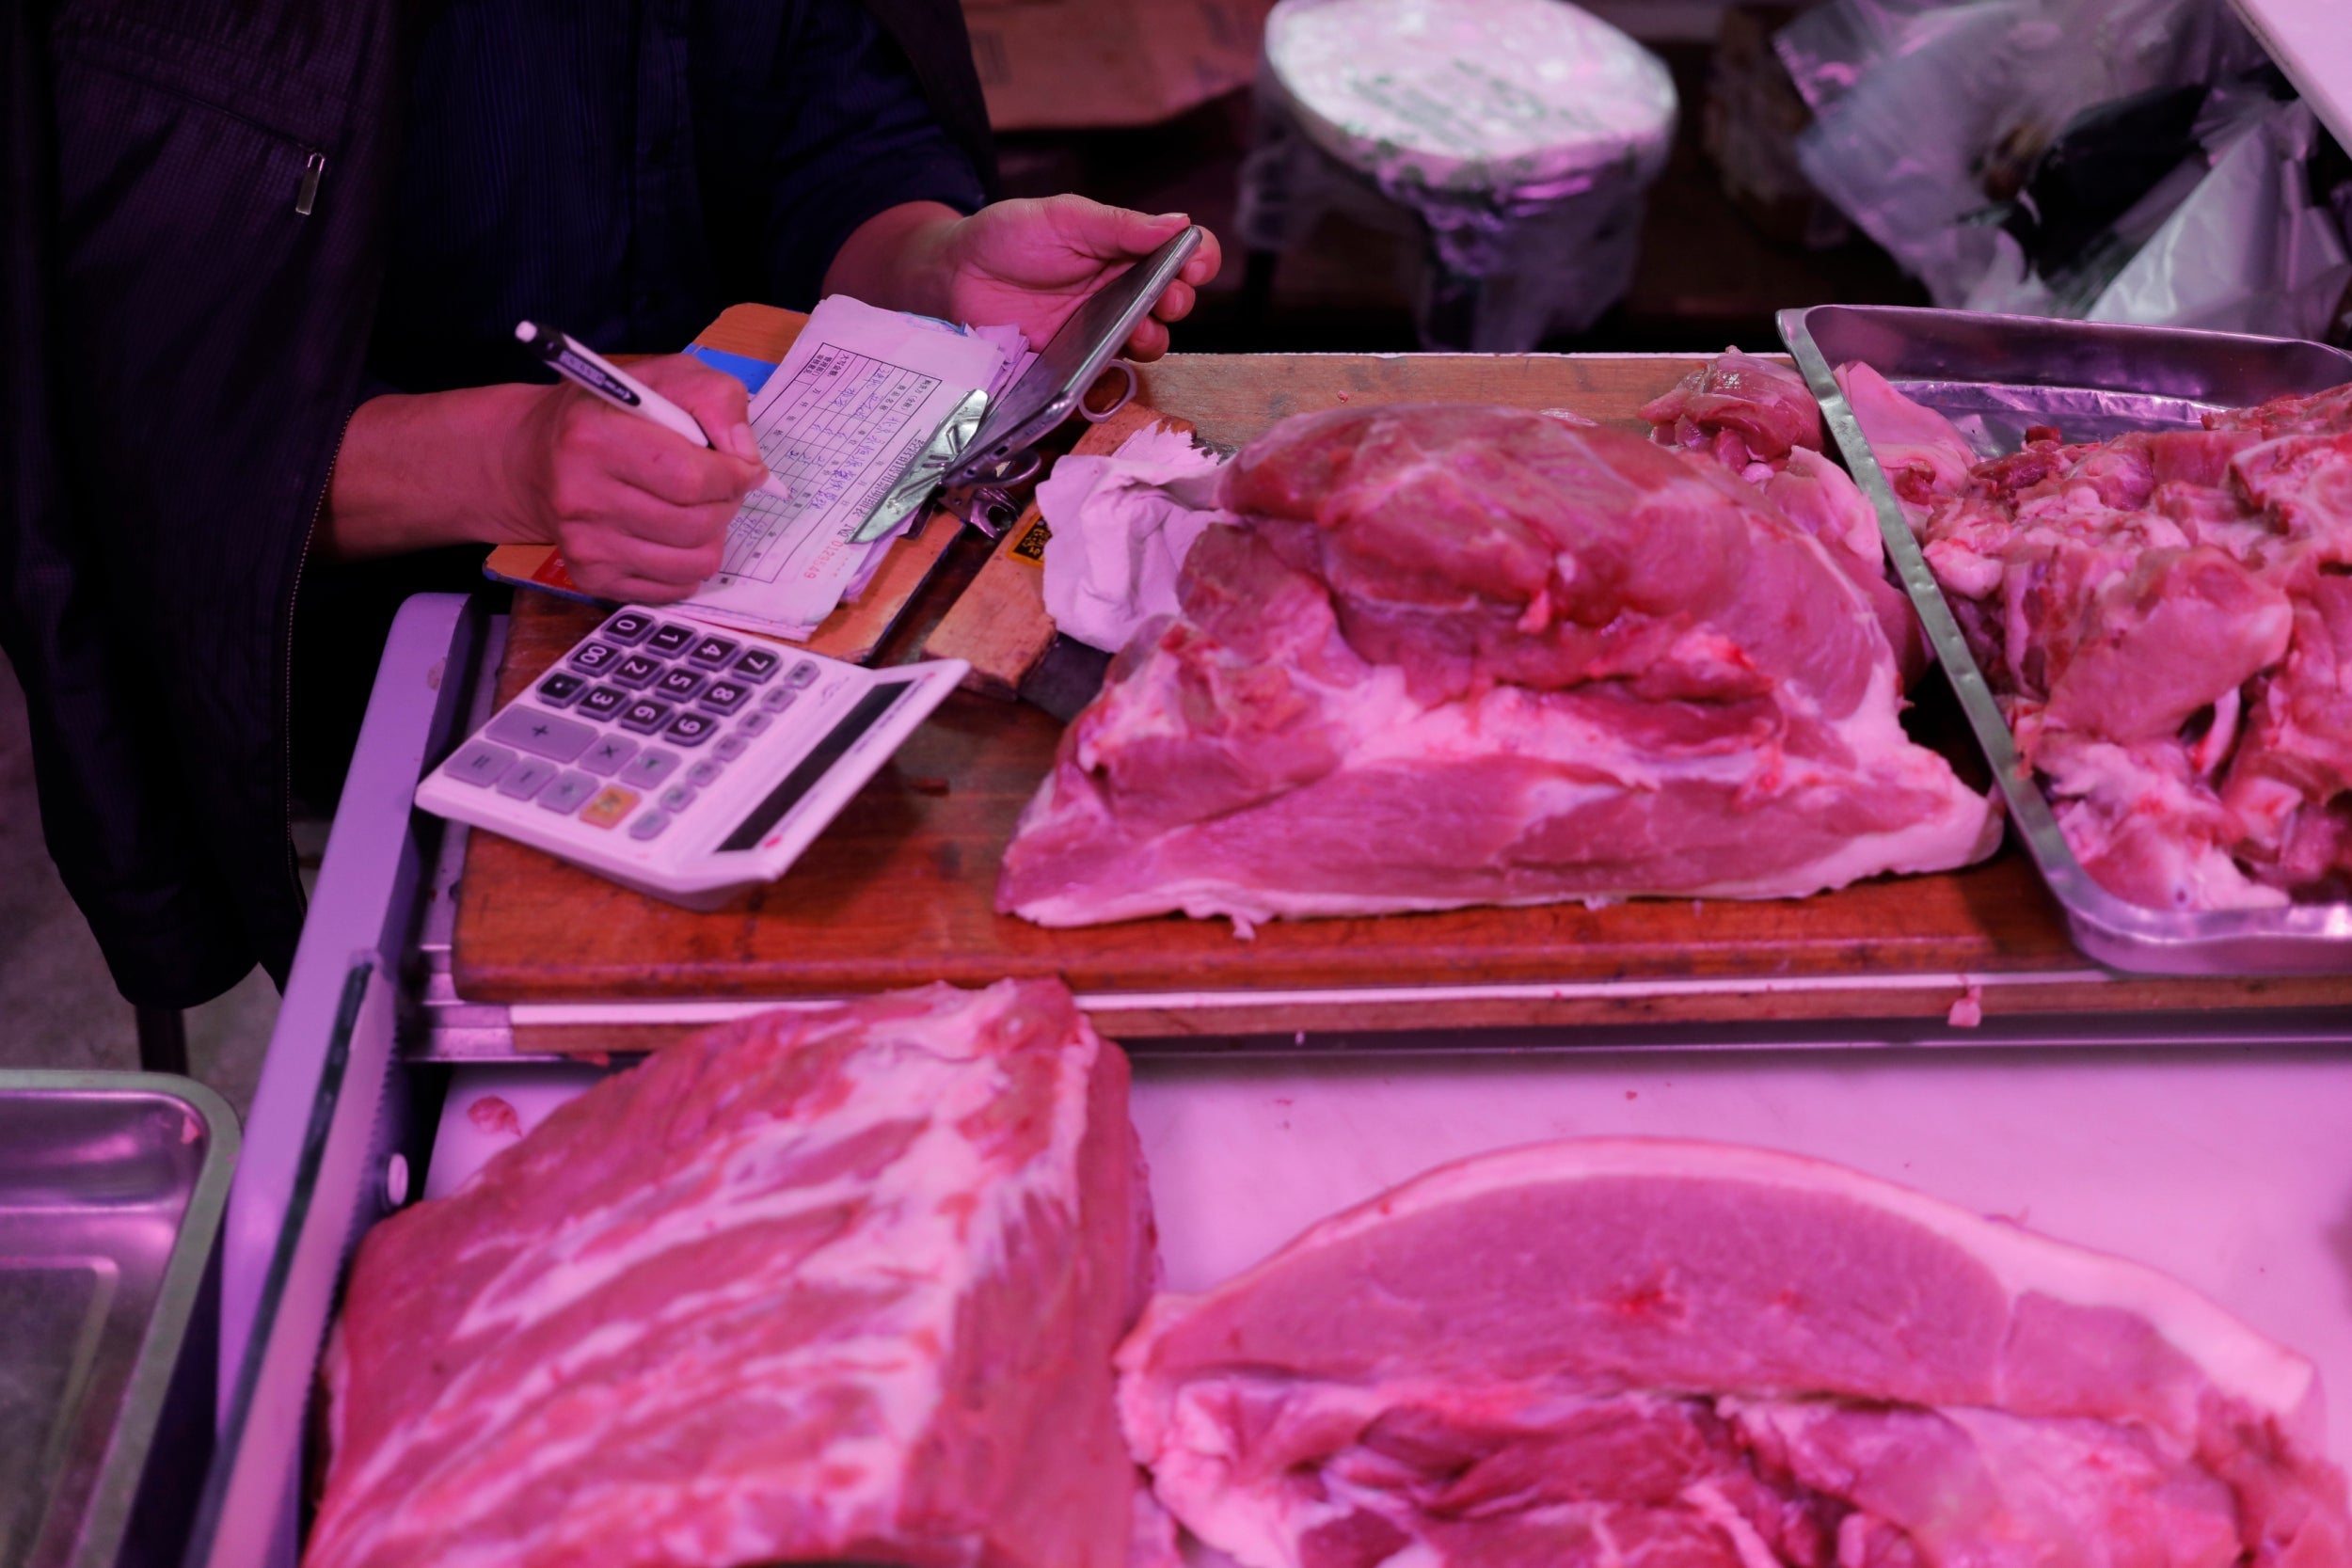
point(988, 503)
point(922, 476)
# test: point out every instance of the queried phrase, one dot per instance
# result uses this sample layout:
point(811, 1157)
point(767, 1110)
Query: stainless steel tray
point(1996, 375)
point(112, 1187)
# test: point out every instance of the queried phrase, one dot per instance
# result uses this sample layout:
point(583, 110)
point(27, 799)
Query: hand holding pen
point(584, 367)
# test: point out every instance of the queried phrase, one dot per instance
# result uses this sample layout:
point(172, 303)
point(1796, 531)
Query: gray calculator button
point(677, 797)
point(672, 639)
point(561, 691)
point(712, 652)
point(753, 722)
point(567, 792)
point(649, 767)
point(804, 674)
point(603, 701)
point(478, 762)
point(690, 729)
point(637, 671)
point(648, 825)
point(527, 779)
point(644, 715)
point(629, 628)
point(731, 746)
point(595, 658)
point(541, 733)
point(756, 665)
point(776, 701)
point(726, 696)
point(704, 773)
point(605, 757)
point(679, 686)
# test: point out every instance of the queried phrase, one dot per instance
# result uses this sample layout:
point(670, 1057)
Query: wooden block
point(1000, 624)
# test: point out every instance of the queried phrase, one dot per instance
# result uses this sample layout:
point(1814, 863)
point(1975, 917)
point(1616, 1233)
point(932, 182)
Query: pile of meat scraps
point(1653, 1352)
point(841, 1284)
point(2166, 619)
point(1438, 655)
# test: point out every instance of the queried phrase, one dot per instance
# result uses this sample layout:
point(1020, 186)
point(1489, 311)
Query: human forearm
point(901, 259)
point(637, 510)
point(419, 472)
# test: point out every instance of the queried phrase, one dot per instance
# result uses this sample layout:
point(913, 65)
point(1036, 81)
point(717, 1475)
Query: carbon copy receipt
point(859, 395)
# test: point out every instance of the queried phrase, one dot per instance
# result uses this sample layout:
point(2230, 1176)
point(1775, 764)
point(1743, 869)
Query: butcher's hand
point(1024, 264)
point(638, 512)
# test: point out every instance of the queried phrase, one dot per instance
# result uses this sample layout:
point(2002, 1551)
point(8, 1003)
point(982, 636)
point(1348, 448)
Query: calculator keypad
point(638, 694)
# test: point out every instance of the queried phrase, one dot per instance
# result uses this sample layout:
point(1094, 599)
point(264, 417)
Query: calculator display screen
point(815, 766)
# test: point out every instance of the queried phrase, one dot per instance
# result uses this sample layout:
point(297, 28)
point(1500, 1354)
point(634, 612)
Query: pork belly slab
point(1666, 1354)
point(841, 1284)
point(1444, 654)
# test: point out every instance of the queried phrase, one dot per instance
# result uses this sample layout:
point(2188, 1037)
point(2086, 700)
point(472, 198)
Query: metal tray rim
point(106, 1513)
point(2297, 939)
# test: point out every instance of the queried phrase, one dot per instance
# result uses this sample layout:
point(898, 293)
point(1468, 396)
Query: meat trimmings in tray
point(2142, 595)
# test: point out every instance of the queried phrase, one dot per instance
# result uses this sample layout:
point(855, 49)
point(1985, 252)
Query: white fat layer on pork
point(932, 1220)
point(1382, 723)
point(2240, 1362)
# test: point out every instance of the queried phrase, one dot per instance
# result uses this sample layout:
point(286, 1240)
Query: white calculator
point(683, 759)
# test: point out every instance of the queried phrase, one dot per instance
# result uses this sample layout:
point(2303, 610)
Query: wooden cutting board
point(900, 889)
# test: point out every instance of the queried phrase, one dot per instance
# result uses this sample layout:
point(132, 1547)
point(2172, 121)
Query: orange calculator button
point(610, 806)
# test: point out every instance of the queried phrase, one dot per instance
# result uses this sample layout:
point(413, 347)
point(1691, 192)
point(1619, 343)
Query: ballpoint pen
point(584, 367)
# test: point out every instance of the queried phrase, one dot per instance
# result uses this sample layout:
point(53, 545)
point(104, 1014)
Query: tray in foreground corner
point(112, 1190)
point(1998, 375)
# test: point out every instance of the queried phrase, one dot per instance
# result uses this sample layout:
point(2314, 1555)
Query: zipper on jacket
point(307, 193)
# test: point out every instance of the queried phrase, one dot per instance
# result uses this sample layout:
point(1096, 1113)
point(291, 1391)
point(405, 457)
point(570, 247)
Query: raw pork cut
point(837, 1284)
point(1450, 655)
point(1742, 411)
point(1655, 1352)
point(2165, 617)
point(1760, 422)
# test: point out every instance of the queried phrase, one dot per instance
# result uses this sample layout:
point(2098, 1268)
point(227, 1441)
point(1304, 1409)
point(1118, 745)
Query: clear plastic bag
point(1931, 114)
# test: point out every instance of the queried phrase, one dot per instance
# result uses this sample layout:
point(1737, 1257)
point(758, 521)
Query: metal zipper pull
point(307, 196)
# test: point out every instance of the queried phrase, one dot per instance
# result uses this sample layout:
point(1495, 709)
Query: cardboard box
point(1087, 64)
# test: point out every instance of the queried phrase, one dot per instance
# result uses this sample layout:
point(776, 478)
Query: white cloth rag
point(1119, 536)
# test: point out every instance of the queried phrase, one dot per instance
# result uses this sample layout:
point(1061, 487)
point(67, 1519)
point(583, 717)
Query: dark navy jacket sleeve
point(835, 130)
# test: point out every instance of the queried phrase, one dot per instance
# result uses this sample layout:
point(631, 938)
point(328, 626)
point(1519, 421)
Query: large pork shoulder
point(1441, 655)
